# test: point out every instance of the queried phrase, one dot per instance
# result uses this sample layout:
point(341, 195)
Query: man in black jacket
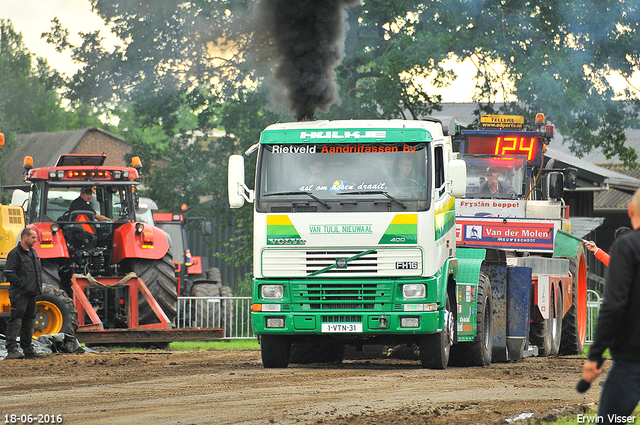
point(23, 271)
point(618, 327)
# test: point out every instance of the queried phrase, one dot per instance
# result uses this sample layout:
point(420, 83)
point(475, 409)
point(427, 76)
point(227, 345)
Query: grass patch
point(236, 344)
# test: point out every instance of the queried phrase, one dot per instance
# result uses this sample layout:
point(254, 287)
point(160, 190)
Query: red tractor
point(103, 240)
point(195, 278)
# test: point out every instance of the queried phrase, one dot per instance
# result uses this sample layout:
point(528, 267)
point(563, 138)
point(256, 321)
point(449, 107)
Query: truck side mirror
point(570, 178)
point(457, 175)
point(555, 184)
point(206, 228)
point(236, 184)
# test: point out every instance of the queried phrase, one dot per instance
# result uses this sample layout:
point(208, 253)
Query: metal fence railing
point(593, 305)
point(233, 314)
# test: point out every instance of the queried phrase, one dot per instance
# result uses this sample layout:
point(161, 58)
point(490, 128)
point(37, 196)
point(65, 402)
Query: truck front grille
point(383, 262)
point(324, 295)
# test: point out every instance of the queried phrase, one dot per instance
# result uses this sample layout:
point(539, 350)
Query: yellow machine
point(55, 310)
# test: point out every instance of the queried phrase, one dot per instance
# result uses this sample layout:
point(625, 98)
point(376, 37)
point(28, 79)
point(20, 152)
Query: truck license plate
point(342, 327)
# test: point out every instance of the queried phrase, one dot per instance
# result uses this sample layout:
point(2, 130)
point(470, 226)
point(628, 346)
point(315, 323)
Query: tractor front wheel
point(55, 313)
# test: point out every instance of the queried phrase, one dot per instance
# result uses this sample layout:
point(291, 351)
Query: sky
point(33, 17)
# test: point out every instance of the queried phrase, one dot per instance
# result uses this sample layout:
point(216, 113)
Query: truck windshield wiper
point(309, 194)
point(375, 192)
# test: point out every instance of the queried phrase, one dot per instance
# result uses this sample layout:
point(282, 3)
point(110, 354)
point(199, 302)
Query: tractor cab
point(82, 202)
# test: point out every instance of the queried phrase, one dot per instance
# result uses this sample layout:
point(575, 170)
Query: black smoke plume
point(304, 41)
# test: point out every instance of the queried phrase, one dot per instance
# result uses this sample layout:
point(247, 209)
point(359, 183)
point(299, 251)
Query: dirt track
point(232, 387)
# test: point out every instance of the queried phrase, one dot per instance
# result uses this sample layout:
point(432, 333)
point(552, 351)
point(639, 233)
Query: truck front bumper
point(345, 324)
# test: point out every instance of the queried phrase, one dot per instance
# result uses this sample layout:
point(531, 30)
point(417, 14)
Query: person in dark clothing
point(23, 271)
point(618, 327)
point(83, 203)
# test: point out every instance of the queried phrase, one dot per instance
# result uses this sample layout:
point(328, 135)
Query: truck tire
point(554, 325)
point(574, 324)
point(479, 351)
point(435, 349)
point(55, 313)
point(547, 334)
point(212, 316)
point(159, 276)
point(316, 352)
point(275, 351)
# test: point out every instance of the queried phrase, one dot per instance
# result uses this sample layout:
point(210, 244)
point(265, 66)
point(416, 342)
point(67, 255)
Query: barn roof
point(45, 148)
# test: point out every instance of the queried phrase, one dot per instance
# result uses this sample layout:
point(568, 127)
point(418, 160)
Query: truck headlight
point(274, 322)
point(414, 290)
point(272, 292)
point(409, 322)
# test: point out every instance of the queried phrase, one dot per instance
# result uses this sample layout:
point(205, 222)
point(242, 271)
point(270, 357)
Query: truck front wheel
point(275, 351)
point(435, 349)
point(478, 352)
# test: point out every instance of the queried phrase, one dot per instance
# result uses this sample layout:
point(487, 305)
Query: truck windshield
point(343, 177)
point(495, 176)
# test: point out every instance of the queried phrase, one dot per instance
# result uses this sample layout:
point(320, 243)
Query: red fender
point(152, 243)
point(49, 245)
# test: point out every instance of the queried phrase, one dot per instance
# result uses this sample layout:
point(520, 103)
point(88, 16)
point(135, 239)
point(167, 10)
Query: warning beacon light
point(28, 162)
point(136, 163)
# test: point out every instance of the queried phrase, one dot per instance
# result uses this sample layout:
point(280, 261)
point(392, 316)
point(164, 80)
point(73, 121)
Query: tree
point(28, 99)
point(29, 93)
point(557, 54)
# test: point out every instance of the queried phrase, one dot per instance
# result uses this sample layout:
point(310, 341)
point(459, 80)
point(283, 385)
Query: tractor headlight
point(139, 228)
point(272, 292)
point(414, 290)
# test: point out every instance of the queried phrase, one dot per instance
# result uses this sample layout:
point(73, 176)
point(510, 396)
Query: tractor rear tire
point(574, 324)
point(50, 276)
point(479, 351)
point(317, 352)
point(55, 313)
point(159, 276)
point(211, 316)
point(214, 274)
point(435, 349)
point(275, 351)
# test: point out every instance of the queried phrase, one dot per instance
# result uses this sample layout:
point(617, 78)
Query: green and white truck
point(355, 243)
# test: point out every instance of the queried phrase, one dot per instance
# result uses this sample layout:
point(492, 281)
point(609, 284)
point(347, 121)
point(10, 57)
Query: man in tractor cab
point(83, 203)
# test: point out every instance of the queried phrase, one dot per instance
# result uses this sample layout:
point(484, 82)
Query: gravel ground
point(211, 387)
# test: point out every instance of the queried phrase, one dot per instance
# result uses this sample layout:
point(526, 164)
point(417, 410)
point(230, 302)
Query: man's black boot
point(15, 354)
